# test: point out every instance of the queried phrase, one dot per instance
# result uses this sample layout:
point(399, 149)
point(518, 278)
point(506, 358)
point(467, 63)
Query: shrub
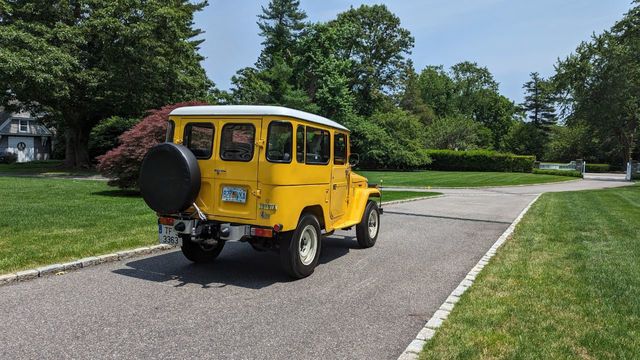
point(480, 160)
point(389, 140)
point(122, 164)
point(598, 168)
point(8, 158)
point(104, 136)
point(571, 173)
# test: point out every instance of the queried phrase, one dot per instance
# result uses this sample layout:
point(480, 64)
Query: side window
point(318, 146)
point(279, 142)
point(237, 142)
point(171, 128)
point(339, 149)
point(198, 137)
point(300, 144)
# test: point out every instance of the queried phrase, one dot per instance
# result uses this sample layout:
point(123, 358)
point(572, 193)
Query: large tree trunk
point(77, 148)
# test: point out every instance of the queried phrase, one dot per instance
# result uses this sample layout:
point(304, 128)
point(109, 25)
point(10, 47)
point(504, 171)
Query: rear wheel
point(201, 253)
point(300, 249)
point(369, 227)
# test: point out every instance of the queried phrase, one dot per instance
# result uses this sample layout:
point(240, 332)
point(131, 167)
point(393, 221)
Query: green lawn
point(402, 195)
point(566, 286)
point(43, 168)
point(45, 221)
point(456, 178)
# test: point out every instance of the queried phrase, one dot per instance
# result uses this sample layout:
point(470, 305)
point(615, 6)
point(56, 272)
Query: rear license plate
point(234, 194)
point(167, 235)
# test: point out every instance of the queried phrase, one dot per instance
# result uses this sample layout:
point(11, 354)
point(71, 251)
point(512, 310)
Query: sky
point(511, 37)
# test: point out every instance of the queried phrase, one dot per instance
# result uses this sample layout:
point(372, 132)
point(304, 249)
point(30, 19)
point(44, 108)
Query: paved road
point(359, 304)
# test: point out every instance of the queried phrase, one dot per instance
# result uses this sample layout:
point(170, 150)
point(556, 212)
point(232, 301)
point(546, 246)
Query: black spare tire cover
point(169, 178)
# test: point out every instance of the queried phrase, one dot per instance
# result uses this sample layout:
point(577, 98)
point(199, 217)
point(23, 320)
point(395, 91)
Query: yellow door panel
point(235, 172)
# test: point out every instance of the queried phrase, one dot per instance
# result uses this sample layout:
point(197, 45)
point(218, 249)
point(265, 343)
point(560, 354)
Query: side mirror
point(354, 159)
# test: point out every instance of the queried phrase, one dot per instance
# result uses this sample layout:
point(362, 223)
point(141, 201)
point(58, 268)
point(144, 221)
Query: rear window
point(318, 146)
point(237, 142)
point(279, 142)
point(171, 128)
point(198, 137)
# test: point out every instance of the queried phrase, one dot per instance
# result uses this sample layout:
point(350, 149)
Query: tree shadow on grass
point(118, 193)
point(238, 265)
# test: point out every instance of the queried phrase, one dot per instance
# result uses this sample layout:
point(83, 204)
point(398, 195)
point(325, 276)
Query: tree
point(457, 133)
point(539, 102)
point(122, 164)
point(600, 86)
point(524, 138)
point(389, 140)
point(438, 90)
point(412, 98)
point(104, 136)
point(376, 47)
point(83, 61)
point(281, 23)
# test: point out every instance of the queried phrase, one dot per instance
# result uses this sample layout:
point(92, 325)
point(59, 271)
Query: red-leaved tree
point(122, 164)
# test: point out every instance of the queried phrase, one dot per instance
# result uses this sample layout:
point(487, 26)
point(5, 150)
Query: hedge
point(479, 160)
point(598, 168)
point(571, 173)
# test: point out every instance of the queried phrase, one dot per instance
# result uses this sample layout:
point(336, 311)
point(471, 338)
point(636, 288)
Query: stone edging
point(393, 202)
point(59, 269)
point(426, 333)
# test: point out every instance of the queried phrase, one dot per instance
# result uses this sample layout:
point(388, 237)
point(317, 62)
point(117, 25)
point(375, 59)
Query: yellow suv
point(274, 177)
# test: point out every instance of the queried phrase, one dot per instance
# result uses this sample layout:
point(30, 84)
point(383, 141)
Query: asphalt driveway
point(359, 304)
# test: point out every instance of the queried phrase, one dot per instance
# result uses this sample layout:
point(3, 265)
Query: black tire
point(291, 256)
point(201, 253)
point(365, 240)
point(169, 178)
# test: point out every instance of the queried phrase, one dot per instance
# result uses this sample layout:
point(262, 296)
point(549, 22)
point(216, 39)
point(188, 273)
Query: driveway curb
point(60, 269)
point(428, 331)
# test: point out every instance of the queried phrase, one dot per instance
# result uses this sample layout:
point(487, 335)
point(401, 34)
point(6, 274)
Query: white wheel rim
point(373, 224)
point(308, 245)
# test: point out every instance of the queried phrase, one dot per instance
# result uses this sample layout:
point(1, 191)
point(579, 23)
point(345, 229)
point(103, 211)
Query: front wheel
point(368, 229)
point(201, 253)
point(300, 249)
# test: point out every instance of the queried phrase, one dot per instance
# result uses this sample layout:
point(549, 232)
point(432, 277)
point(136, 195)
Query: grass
point(456, 179)
point(47, 221)
point(43, 168)
point(566, 286)
point(402, 195)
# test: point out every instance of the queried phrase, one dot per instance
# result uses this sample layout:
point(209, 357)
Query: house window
point(24, 126)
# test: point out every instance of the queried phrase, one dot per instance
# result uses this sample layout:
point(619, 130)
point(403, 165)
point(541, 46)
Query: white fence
point(555, 166)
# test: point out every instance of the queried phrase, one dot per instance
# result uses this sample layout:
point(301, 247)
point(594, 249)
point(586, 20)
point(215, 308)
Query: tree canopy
point(83, 61)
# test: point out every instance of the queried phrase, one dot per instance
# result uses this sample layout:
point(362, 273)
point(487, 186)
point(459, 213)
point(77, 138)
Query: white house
point(24, 135)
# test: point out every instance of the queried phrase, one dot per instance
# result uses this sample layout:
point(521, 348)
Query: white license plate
point(234, 194)
point(167, 235)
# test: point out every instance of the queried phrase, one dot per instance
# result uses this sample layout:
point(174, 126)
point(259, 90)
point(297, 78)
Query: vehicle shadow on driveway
point(238, 265)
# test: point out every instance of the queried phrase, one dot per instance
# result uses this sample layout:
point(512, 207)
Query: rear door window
point(198, 137)
point(237, 142)
point(279, 142)
point(318, 149)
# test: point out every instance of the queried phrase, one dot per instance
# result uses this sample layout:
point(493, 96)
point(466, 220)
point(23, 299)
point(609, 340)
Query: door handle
point(335, 186)
point(219, 171)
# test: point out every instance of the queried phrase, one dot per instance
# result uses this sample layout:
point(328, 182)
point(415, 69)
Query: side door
point(339, 175)
point(236, 167)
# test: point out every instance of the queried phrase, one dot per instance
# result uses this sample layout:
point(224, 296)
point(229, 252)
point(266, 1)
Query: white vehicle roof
point(255, 110)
